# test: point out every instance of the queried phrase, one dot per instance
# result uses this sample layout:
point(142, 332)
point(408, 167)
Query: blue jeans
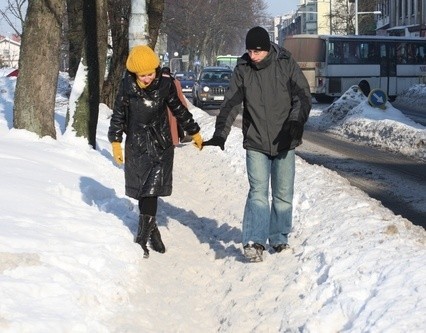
point(262, 220)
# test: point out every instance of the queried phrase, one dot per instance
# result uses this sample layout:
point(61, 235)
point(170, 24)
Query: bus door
point(388, 68)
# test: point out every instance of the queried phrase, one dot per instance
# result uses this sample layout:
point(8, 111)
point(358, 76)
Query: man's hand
point(296, 129)
point(215, 141)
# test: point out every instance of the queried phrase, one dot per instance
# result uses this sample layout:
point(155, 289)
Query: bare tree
point(343, 17)
point(39, 68)
point(204, 29)
point(75, 34)
point(15, 9)
point(366, 22)
point(95, 28)
point(155, 9)
point(118, 17)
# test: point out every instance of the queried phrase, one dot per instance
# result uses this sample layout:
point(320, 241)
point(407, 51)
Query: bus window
point(401, 55)
point(421, 54)
point(369, 53)
point(333, 53)
point(411, 53)
point(351, 52)
point(392, 59)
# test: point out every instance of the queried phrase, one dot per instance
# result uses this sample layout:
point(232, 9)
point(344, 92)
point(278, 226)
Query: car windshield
point(215, 76)
point(189, 76)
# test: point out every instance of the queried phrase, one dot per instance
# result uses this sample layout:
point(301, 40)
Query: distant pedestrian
point(140, 111)
point(276, 100)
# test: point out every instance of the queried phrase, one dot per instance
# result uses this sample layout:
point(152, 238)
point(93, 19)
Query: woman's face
point(146, 79)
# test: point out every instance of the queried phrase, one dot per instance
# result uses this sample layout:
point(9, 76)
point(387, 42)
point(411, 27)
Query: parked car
point(210, 86)
point(186, 80)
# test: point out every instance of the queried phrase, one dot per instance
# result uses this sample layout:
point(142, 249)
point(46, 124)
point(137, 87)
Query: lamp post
point(377, 12)
point(176, 55)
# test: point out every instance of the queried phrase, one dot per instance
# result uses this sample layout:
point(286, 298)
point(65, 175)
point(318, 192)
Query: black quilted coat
point(142, 115)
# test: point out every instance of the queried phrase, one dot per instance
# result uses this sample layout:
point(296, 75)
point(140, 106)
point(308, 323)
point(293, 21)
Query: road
point(395, 180)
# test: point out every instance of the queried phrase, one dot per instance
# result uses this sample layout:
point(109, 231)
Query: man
point(276, 99)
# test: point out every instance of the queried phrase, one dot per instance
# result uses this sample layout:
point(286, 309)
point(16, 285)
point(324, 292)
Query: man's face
point(257, 55)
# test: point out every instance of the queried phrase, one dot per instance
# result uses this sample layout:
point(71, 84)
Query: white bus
point(332, 64)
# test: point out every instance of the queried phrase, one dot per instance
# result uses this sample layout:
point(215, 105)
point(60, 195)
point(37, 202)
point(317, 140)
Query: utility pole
point(356, 17)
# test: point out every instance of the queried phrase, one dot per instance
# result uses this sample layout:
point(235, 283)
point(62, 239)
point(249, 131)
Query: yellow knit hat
point(142, 60)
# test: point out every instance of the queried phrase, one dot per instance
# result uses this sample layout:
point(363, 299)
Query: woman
point(140, 111)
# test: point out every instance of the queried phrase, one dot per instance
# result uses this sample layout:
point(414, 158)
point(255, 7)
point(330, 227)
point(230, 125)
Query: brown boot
point(146, 225)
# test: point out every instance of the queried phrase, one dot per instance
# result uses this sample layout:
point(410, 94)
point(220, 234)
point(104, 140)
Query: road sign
point(377, 98)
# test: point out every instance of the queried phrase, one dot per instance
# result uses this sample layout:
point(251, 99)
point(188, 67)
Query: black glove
point(215, 141)
point(296, 129)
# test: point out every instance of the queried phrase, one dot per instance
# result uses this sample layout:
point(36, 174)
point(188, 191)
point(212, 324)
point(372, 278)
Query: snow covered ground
point(68, 262)
point(352, 117)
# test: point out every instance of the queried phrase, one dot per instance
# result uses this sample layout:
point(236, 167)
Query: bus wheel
point(365, 87)
point(324, 99)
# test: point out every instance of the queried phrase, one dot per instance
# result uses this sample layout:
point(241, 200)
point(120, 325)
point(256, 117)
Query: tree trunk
point(155, 10)
point(119, 18)
point(102, 40)
point(119, 14)
point(94, 53)
point(36, 86)
point(75, 34)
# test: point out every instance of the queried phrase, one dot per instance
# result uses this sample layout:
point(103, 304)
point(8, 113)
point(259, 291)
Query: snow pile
point(414, 97)
point(352, 117)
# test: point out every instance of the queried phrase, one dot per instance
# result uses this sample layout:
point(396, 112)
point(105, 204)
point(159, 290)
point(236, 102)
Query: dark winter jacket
point(141, 114)
point(273, 92)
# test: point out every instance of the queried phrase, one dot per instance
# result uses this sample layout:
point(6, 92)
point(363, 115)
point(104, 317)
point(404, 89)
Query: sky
point(5, 29)
point(280, 7)
point(68, 262)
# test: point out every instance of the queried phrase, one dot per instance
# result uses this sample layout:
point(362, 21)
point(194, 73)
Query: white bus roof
point(359, 37)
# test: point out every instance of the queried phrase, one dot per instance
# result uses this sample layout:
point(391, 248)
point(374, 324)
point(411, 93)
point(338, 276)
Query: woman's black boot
point(146, 225)
point(156, 242)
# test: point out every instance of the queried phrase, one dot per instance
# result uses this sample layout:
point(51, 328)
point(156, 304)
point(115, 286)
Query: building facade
point(9, 52)
point(402, 18)
point(324, 17)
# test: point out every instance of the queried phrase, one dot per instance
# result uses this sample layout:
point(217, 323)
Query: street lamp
point(176, 55)
point(377, 12)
